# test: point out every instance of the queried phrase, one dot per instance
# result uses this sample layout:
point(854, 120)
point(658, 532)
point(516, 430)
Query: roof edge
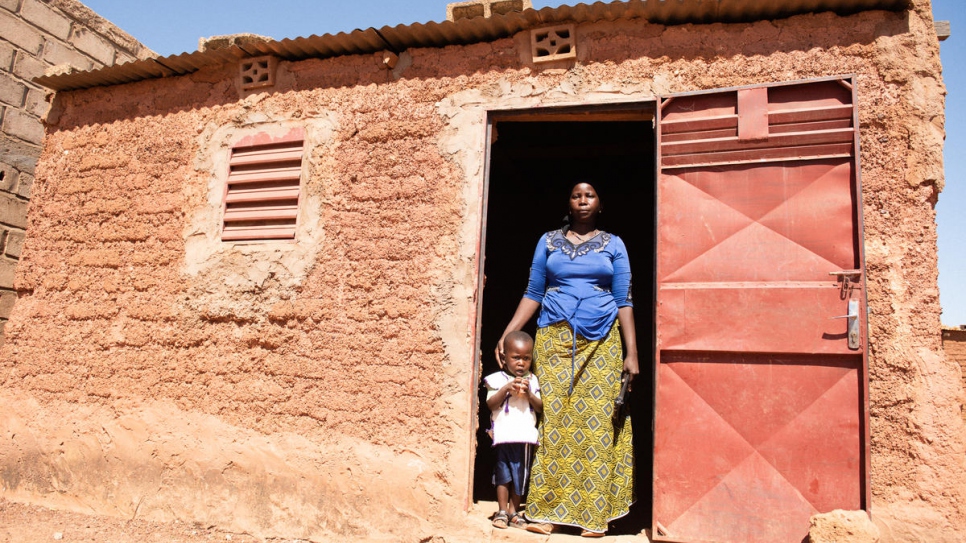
point(462, 32)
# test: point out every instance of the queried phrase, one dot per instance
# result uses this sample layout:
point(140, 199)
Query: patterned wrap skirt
point(582, 475)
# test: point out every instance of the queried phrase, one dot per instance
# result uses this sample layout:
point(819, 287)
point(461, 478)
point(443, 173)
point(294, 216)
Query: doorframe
point(848, 81)
point(865, 431)
point(632, 110)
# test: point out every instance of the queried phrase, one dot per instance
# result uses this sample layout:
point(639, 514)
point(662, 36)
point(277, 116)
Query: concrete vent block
point(247, 42)
point(508, 6)
point(553, 43)
point(465, 10)
point(484, 8)
point(258, 72)
point(942, 30)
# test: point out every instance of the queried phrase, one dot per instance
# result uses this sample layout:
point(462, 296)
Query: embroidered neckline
point(556, 239)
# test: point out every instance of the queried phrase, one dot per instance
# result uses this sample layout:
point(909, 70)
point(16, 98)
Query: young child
point(513, 396)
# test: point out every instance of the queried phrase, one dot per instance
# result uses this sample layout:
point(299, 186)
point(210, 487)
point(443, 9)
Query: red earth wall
point(324, 388)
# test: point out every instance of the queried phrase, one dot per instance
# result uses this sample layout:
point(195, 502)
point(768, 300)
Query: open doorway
point(535, 158)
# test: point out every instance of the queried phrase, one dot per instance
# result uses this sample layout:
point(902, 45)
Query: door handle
point(853, 325)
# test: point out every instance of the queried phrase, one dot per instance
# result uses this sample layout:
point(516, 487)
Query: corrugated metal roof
point(463, 31)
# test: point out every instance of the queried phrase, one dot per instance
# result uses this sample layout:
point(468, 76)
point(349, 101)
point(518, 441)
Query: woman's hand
point(631, 366)
point(498, 352)
point(521, 316)
point(626, 317)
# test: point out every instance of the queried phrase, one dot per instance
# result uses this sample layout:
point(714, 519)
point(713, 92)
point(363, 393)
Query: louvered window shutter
point(262, 198)
point(757, 125)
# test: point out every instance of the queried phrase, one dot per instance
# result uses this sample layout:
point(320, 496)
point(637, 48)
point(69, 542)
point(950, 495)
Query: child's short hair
point(518, 335)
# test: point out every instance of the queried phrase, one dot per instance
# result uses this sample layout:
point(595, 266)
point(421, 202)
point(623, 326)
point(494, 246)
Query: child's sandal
point(517, 521)
point(500, 520)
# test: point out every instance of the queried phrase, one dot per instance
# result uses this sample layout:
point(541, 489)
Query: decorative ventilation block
point(258, 72)
point(553, 43)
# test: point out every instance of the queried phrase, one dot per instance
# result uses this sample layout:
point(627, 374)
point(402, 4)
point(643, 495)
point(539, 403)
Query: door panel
point(773, 319)
point(759, 404)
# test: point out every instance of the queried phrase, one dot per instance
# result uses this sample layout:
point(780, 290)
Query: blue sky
point(174, 26)
point(951, 209)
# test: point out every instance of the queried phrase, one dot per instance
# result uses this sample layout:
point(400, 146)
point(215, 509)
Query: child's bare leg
point(516, 519)
point(514, 505)
point(503, 496)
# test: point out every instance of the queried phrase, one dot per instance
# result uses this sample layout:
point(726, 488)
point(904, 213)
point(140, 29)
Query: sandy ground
point(30, 524)
point(21, 523)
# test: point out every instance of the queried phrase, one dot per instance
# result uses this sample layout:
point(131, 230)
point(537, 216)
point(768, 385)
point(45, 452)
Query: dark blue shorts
point(513, 466)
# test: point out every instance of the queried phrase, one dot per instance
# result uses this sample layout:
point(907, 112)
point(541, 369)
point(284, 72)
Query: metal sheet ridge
point(464, 31)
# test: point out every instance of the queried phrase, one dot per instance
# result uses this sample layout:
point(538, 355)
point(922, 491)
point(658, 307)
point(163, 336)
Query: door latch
point(853, 326)
point(847, 278)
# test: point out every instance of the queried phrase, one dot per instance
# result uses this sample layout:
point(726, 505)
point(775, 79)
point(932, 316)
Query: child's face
point(518, 355)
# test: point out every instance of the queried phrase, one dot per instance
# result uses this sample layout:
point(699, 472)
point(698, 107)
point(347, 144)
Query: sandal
point(544, 528)
point(500, 520)
point(517, 521)
point(588, 533)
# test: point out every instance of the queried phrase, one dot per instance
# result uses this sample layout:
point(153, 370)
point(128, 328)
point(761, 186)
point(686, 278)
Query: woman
point(583, 473)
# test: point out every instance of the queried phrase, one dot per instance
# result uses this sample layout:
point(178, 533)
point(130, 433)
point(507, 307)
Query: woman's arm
point(532, 299)
point(625, 316)
point(621, 288)
point(523, 314)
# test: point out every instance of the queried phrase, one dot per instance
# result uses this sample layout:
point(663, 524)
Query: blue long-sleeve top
point(583, 285)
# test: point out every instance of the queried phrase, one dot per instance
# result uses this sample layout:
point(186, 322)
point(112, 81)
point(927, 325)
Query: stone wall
point(323, 389)
point(34, 36)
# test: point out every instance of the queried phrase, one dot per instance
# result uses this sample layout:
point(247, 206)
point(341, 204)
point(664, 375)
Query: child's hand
point(521, 386)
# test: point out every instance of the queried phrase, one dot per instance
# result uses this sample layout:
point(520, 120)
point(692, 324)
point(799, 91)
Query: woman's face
point(584, 203)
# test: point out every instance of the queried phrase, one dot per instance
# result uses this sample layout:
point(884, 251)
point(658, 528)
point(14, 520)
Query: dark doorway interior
point(533, 165)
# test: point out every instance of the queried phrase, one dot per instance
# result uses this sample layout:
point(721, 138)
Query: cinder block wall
point(36, 35)
point(954, 343)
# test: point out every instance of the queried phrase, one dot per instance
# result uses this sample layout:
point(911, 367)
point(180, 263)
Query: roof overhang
point(461, 32)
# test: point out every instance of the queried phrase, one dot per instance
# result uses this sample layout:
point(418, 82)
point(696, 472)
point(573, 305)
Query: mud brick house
point(35, 36)
point(251, 293)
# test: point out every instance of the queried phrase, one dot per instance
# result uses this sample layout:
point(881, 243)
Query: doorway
point(535, 158)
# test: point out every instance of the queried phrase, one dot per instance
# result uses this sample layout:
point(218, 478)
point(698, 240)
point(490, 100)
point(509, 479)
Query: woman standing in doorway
point(580, 280)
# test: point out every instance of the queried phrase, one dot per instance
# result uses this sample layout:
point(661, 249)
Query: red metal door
point(760, 415)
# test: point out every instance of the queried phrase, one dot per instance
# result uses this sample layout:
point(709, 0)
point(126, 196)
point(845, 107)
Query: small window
point(262, 196)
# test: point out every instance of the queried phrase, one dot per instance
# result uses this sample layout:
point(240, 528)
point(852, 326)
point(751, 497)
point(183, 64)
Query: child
point(513, 396)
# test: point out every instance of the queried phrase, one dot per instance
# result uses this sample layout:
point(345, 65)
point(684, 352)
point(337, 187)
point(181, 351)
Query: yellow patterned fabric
point(582, 476)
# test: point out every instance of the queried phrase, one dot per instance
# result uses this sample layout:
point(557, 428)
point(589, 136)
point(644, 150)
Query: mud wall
point(319, 369)
point(36, 36)
point(326, 387)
